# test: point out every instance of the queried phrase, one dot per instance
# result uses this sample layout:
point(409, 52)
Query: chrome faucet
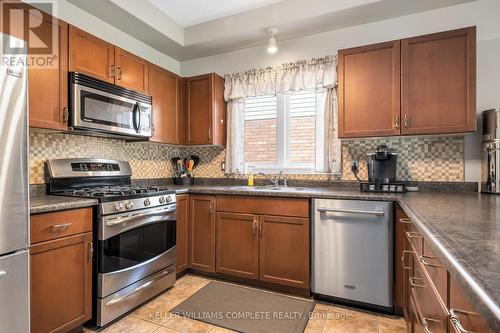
point(276, 179)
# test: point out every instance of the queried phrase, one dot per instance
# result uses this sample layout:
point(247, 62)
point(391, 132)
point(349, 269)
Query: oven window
point(106, 110)
point(135, 246)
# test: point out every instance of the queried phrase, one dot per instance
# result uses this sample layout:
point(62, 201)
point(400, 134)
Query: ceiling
point(191, 29)
point(191, 12)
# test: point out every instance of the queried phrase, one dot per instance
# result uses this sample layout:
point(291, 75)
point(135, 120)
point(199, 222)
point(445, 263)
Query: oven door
point(95, 109)
point(134, 245)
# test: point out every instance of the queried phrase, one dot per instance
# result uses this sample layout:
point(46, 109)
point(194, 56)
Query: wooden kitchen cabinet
point(205, 110)
point(369, 90)
point(91, 55)
point(131, 71)
point(465, 312)
point(401, 276)
point(61, 283)
point(284, 250)
point(439, 83)
point(202, 232)
point(238, 245)
point(418, 85)
point(182, 233)
point(165, 88)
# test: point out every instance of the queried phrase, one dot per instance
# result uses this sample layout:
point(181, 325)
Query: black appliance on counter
point(134, 232)
point(382, 170)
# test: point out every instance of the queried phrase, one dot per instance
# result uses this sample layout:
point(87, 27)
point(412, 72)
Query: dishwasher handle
point(351, 211)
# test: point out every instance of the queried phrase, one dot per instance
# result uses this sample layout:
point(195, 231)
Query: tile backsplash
point(439, 158)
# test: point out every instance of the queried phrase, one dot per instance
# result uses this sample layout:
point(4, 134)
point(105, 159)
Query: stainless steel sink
point(268, 188)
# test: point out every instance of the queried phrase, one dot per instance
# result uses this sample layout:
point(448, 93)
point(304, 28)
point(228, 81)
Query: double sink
point(269, 188)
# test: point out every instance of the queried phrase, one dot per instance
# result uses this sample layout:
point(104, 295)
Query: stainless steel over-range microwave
point(108, 110)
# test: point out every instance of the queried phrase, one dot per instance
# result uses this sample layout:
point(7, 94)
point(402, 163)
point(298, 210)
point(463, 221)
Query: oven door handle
point(141, 287)
point(150, 215)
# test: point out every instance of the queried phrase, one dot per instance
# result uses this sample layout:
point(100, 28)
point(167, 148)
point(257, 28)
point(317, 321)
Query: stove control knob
point(118, 206)
point(169, 199)
point(129, 205)
point(147, 202)
point(162, 200)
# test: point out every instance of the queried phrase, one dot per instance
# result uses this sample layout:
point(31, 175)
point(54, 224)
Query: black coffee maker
point(382, 170)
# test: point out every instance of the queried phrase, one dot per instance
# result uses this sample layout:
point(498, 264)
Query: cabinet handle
point(152, 129)
point(455, 320)
point(254, 226)
point(425, 323)
point(59, 227)
point(403, 259)
point(413, 234)
point(261, 228)
point(112, 71)
point(119, 73)
point(396, 121)
point(405, 220)
point(413, 284)
point(407, 120)
point(425, 260)
point(211, 207)
point(210, 134)
point(91, 251)
point(65, 115)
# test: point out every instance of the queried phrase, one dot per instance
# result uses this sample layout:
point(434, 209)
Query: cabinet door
point(202, 230)
point(61, 283)
point(48, 86)
point(199, 109)
point(369, 90)
point(401, 262)
point(238, 245)
point(90, 55)
point(465, 313)
point(439, 83)
point(284, 250)
point(131, 71)
point(164, 88)
point(182, 233)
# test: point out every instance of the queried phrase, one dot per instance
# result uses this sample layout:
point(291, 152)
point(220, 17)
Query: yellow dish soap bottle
point(250, 179)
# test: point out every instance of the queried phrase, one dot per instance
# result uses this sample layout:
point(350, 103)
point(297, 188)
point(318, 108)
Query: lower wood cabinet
point(202, 232)
point(269, 248)
point(238, 245)
point(60, 270)
point(182, 233)
point(61, 283)
point(464, 316)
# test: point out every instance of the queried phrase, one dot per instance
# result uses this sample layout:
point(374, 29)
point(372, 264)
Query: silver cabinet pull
point(425, 323)
point(413, 284)
point(209, 134)
point(407, 120)
point(60, 227)
point(254, 225)
point(403, 259)
point(261, 228)
point(91, 251)
point(455, 320)
point(396, 121)
point(425, 260)
point(413, 234)
point(211, 208)
point(351, 211)
point(3, 274)
point(405, 220)
point(138, 289)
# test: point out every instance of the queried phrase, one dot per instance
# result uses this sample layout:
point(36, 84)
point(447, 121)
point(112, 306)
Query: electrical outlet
point(222, 166)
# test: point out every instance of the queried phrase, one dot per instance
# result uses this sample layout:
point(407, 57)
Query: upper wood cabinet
point(369, 90)
point(419, 85)
point(131, 71)
point(182, 233)
point(90, 55)
point(97, 58)
point(165, 88)
point(205, 110)
point(439, 82)
point(202, 231)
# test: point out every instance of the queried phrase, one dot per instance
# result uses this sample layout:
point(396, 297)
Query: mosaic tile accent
point(148, 160)
point(438, 158)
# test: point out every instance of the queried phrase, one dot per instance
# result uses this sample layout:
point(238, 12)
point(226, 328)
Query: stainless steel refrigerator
point(14, 213)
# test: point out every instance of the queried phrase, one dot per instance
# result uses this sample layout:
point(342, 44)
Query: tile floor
point(155, 317)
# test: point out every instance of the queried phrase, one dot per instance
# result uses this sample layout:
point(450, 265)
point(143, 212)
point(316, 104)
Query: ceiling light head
point(271, 45)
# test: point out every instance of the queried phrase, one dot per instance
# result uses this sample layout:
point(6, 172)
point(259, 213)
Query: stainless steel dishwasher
point(352, 252)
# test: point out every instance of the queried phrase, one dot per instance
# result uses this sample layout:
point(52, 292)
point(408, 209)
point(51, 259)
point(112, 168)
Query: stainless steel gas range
point(134, 232)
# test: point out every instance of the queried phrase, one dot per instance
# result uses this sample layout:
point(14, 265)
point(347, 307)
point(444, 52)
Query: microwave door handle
point(140, 117)
point(136, 122)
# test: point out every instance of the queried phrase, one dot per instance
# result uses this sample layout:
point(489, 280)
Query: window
point(285, 132)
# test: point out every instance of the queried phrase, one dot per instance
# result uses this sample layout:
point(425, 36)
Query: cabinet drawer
point(430, 311)
point(263, 205)
point(48, 226)
point(436, 272)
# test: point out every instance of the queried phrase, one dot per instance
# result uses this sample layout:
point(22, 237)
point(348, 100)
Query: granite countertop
point(43, 203)
point(463, 229)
